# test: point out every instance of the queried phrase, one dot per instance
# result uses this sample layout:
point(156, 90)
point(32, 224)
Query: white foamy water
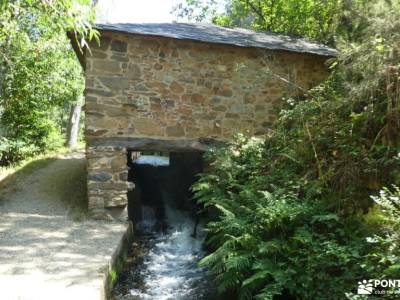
point(170, 269)
point(165, 261)
point(152, 160)
point(148, 223)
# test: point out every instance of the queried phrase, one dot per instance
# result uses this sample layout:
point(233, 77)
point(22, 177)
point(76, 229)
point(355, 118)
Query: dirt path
point(45, 252)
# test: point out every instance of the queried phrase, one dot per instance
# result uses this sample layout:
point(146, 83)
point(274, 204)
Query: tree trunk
point(73, 123)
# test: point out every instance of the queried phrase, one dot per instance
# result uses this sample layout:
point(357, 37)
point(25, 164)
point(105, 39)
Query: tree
point(73, 123)
point(315, 19)
point(39, 72)
point(196, 10)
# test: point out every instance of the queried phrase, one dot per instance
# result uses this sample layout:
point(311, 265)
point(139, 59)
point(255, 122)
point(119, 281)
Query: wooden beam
point(149, 144)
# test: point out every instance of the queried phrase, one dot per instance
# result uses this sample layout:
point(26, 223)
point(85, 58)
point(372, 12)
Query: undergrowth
point(311, 210)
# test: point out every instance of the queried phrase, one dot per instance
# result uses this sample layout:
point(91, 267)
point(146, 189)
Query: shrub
point(13, 151)
point(270, 238)
point(295, 217)
point(40, 76)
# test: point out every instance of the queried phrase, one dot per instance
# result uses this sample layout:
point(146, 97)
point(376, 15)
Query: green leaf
point(255, 278)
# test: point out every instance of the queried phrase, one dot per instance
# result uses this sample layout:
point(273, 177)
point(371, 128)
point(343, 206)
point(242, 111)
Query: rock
point(114, 83)
point(120, 58)
point(107, 66)
point(176, 87)
point(197, 98)
point(133, 71)
point(99, 92)
point(104, 43)
point(101, 177)
point(175, 131)
point(119, 46)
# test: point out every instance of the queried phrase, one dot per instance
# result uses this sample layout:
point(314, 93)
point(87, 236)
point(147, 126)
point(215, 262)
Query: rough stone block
point(99, 54)
point(123, 175)
point(96, 203)
point(102, 66)
point(120, 58)
point(104, 43)
point(99, 92)
point(100, 177)
point(119, 46)
point(133, 71)
point(114, 83)
point(113, 200)
point(175, 131)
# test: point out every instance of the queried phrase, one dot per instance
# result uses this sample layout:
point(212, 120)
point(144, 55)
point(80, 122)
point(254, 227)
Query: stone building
point(183, 87)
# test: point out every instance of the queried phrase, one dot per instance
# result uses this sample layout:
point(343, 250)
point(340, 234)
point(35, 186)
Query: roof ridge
point(211, 33)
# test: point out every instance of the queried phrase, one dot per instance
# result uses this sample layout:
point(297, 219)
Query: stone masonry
point(159, 93)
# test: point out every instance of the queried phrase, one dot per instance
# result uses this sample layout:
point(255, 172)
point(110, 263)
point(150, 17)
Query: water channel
point(168, 243)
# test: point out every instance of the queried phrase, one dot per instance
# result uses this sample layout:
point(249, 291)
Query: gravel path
point(44, 252)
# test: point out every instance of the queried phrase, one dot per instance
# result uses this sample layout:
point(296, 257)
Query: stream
point(163, 262)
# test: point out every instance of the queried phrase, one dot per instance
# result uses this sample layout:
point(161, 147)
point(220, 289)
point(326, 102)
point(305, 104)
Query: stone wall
point(160, 93)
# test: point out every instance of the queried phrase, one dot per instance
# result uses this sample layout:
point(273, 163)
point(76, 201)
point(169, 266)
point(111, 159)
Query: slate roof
point(220, 35)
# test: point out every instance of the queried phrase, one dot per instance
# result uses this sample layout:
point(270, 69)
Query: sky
point(137, 11)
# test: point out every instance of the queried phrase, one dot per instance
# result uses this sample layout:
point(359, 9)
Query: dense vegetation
point(316, 19)
point(314, 208)
point(40, 76)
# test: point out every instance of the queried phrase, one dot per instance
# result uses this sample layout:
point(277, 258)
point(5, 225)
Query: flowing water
point(166, 261)
point(163, 263)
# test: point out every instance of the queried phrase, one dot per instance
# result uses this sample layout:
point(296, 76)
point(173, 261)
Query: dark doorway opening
point(168, 245)
point(161, 179)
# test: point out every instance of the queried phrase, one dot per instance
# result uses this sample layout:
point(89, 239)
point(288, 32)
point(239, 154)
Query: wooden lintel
point(149, 144)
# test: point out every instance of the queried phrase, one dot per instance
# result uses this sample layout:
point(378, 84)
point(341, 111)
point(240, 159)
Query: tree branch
point(258, 11)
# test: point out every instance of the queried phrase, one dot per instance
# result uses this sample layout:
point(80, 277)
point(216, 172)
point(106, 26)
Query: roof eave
point(220, 35)
point(329, 53)
point(79, 51)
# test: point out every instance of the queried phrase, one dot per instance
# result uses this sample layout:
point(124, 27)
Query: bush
point(271, 238)
point(40, 77)
point(13, 151)
point(295, 213)
point(295, 217)
point(27, 136)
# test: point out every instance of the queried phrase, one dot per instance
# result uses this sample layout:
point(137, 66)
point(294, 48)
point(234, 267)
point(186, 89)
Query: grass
point(29, 165)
